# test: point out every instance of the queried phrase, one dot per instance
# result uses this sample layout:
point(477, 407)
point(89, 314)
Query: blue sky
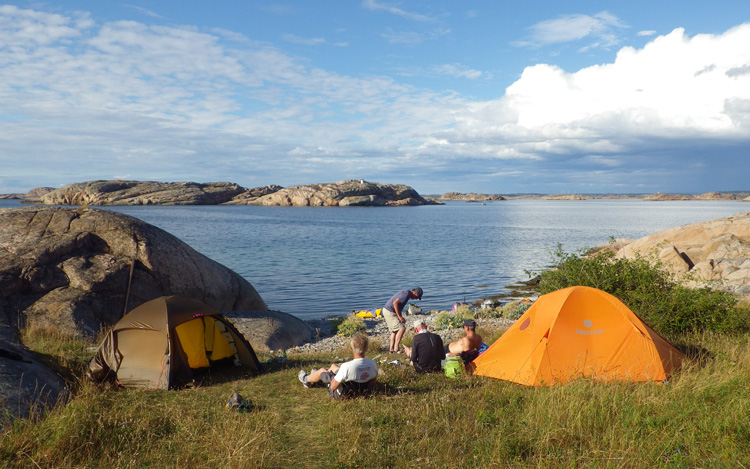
point(480, 96)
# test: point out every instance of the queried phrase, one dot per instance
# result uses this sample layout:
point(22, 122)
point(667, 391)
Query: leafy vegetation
point(350, 326)
point(649, 292)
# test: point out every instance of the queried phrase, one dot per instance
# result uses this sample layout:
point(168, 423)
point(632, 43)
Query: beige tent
point(160, 344)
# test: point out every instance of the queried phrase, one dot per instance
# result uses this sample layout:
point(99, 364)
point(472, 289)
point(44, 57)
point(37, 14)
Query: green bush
point(350, 326)
point(649, 292)
point(451, 320)
point(514, 310)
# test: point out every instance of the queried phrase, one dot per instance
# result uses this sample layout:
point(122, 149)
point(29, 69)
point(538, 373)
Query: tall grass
point(700, 418)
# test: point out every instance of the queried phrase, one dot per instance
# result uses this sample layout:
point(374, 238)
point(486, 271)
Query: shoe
point(302, 375)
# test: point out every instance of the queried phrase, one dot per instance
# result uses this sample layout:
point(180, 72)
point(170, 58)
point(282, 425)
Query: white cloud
point(412, 38)
point(647, 33)
point(457, 70)
point(142, 10)
point(679, 97)
point(294, 39)
point(601, 28)
point(381, 6)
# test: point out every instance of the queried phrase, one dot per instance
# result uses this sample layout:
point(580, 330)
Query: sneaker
point(302, 375)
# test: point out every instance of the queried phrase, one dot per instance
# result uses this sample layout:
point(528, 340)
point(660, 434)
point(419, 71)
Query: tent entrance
point(203, 341)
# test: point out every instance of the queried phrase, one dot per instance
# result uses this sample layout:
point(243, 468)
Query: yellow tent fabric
point(203, 342)
point(578, 332)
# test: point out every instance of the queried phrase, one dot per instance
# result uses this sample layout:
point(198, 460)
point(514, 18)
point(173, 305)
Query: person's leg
point(393, 341)
point(399, 335)
point(314, 377)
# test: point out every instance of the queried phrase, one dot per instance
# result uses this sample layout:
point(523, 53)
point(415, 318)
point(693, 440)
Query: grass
point(701, 417)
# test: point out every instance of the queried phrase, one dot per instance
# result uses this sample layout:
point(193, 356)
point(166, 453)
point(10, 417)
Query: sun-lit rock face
point(714, 253)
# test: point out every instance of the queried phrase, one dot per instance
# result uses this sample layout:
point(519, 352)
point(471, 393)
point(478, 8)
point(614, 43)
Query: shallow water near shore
point(318, 261)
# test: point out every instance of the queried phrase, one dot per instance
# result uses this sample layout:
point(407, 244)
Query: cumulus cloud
point(675, 98)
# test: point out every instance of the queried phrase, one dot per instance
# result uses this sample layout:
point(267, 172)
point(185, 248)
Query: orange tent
point(578, 332)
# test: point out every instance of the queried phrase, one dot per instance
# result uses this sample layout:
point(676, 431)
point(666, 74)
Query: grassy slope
point(700, 418)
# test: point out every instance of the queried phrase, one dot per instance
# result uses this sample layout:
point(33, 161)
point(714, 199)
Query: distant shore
point(342, 193)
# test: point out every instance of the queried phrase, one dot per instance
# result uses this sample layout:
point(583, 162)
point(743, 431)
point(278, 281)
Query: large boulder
point(78, 271)
point(271, 330)
point(343, 193)
point(714, 253)
point(143, 193)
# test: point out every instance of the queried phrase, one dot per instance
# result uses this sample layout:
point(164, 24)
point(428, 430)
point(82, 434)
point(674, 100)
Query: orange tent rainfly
point(578, 332)
point(161, 343)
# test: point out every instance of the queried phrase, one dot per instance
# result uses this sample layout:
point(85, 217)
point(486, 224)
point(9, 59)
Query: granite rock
point(343, 193)
point(143, 193)
point(714, 253)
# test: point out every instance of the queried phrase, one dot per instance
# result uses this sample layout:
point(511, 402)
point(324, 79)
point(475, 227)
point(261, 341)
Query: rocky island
point(347, 193)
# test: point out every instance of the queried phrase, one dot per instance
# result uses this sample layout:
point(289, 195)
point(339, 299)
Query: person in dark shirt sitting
point(426, 351)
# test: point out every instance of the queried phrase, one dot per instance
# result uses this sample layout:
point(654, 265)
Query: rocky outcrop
point(343, 194)
point(564, 197)
point(470, 197)
point(715, 253)
point(143, 193)
point(250, 195)
point(271, 330)
point(716, 196)
point(659, 197)
point(77, 271)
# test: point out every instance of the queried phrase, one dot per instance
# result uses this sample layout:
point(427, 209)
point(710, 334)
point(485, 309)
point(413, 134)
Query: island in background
point(346, 193)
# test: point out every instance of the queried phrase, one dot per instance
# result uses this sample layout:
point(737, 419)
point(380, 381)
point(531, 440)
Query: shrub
point(350, 326)
point(451, 320)
point(514, 310)
point(649, 292)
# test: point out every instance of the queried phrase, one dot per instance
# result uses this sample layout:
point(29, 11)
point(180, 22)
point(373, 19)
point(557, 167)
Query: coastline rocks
point(249, 195)
point(716, 196)
point(715, 253)
point(471, 197)
point(563, 197)
point(26, 386)
point(75, 272)
point(143, 193)
point(343, 194)
point(664, 197)
point(271, 330)
point(34, 195)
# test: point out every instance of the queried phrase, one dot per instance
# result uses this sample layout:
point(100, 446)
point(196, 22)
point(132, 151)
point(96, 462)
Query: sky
point(472, 96)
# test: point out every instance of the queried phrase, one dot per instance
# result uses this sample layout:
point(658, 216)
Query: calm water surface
point(312, 262)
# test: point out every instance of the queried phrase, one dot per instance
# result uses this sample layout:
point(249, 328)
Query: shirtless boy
point(469, 343)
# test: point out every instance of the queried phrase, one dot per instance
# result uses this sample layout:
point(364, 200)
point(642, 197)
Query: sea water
point(318, 261)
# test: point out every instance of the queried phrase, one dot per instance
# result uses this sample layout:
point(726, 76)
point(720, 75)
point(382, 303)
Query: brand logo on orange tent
point(588, 324)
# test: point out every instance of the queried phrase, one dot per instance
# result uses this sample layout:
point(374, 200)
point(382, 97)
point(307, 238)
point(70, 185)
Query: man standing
point(355, 377)
point(392, 312)
point(426, 350)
